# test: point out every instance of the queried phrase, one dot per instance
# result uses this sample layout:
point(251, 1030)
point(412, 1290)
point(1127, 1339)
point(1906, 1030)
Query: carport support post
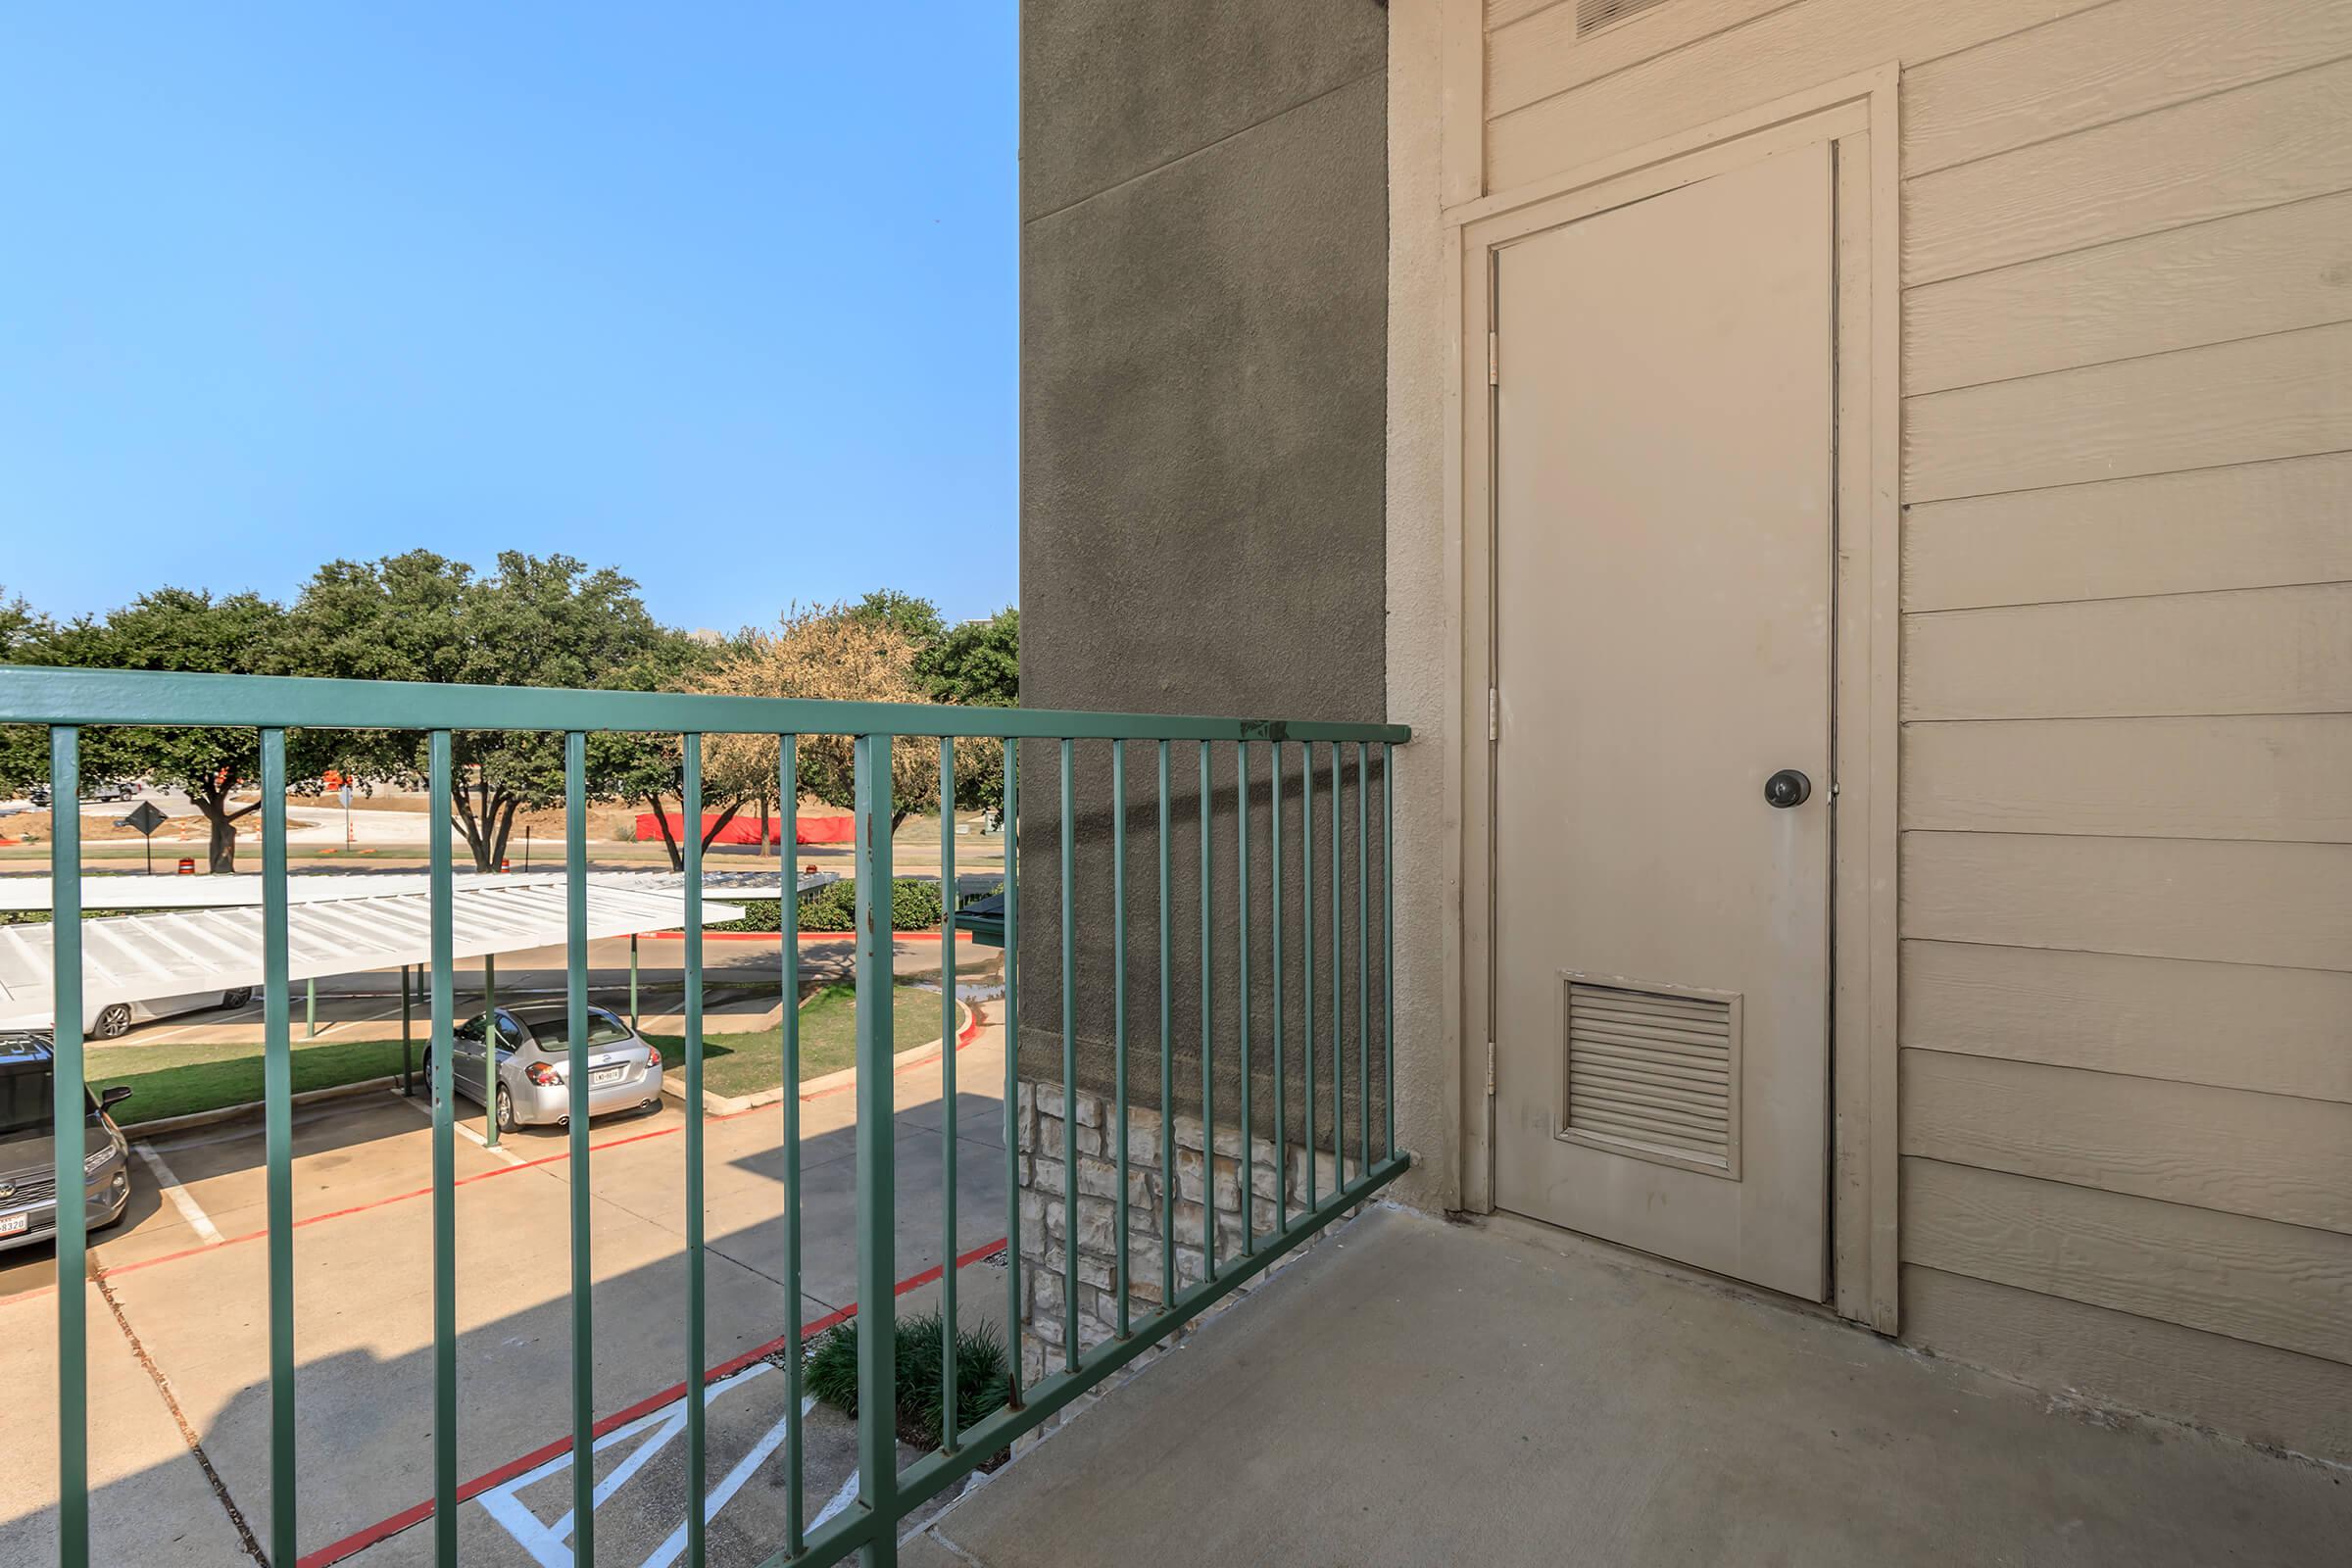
point(490, 1050)
point(634, 1026)
point(310, 1008)
point(408, 1080)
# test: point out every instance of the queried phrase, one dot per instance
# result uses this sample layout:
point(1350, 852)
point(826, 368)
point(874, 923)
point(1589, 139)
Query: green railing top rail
point(42, 695)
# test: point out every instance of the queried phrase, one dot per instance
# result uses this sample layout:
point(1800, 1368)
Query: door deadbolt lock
point(1788, 787)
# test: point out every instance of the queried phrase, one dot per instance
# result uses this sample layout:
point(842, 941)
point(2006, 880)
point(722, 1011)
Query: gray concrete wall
point(1204, 341)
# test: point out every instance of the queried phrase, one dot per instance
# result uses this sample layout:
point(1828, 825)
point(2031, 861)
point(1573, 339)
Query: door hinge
point(1494, 359)
point(1490, 1069)
point(1493, 714)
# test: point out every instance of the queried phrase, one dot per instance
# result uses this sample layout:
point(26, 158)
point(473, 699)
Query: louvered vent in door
point(1653, 1072)
point(1594, 15)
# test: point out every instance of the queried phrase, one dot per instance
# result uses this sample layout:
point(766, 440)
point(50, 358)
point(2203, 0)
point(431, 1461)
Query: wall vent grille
point(1594, 15)
point(1654, 1073)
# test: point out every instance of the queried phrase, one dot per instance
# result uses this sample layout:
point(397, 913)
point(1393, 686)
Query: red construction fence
point(745, 830)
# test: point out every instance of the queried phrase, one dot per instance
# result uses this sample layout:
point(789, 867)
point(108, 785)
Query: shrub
point(981, 1371)
point(915, 905)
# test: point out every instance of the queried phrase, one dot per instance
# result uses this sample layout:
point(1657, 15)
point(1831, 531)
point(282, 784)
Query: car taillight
point(653, 1059)
point(540, 1073)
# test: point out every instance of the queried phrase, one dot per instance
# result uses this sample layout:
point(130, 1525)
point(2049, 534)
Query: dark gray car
point(29, 1153)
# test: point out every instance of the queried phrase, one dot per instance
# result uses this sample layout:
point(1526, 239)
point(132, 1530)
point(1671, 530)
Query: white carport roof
point(145, 955)
point(139, 892)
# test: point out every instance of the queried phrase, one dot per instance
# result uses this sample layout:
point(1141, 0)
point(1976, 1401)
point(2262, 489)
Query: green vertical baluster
point(947, 1426)
point(1307, 917)
point(1118, 995)
point(67, 1109)
point(1363, 958)
point(878, 1340)
point(583, 1277)
point(1208, 1134)
point(788, 806)
point(1388, 920)
point(490, 1038)
point(697, 1455)
point(1069, 1064)
point(1241, 795)
point(1012, 1064)
point(1167, 1058)
point(1282, 1128)
point(277, 1121)
point(1339, 1009)
point(445, 1171)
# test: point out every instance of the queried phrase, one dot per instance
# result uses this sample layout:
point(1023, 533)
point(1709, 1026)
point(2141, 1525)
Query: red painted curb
point(416, 1513)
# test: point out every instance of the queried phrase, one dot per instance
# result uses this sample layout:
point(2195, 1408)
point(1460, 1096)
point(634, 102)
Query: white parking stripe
point(425, 1107)
point(168, 1184)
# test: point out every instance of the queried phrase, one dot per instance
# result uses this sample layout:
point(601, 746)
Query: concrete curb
point(254, 1107)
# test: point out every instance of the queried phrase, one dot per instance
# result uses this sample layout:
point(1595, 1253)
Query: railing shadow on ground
point(365, 1417)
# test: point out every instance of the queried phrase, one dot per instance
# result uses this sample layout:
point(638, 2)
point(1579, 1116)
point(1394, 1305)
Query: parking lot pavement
point(187, 1272)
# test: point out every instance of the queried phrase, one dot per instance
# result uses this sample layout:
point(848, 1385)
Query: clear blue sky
point(722, 295)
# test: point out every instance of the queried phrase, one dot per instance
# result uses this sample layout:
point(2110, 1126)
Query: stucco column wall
point(1205, 298)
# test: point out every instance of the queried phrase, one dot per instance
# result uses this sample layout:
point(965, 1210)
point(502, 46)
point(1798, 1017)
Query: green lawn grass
point(172, 1080)
point(746, 1063)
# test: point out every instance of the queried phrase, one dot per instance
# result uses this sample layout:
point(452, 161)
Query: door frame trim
point(1857, 116)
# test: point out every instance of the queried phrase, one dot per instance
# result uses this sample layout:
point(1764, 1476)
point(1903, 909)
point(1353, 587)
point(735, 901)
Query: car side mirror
point(109, 1099)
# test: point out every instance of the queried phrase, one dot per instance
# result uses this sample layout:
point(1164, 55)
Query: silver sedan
point(534, 1065)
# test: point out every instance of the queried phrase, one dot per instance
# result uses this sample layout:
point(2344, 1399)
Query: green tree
point(536, 621)
point(911, 616)
point(977, 664)
point(651, 768)
point(177, 629)
point(823, 654)
point(23, 628)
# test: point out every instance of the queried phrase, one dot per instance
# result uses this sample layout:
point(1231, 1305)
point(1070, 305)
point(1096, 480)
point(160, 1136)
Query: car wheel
point(506, 1109)
point(114, 1022)
point(237, 997)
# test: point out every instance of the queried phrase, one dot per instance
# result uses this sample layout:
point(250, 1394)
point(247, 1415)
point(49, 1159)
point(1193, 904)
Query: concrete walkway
point(1417, 1392)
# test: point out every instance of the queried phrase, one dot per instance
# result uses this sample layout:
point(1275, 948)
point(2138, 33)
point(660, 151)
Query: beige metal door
point(1663, 548)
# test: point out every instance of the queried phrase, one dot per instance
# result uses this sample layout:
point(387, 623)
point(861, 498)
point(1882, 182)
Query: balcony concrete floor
point(1417, 1392)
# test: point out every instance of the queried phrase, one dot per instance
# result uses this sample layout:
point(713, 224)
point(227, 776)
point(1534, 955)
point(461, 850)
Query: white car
point(111, 1020)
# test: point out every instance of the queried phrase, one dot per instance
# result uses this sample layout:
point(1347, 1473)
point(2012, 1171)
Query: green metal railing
point(69, 701)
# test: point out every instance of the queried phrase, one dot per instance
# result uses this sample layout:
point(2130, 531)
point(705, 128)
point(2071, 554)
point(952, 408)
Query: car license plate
point(13, 1224)
point(606, 1075)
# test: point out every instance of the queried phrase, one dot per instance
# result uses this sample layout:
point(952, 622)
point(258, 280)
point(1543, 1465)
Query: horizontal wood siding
point(1536, 52)
point(2274, 1156)
point(2230, 902)
point(2251, 1279)
point(1781, 52)
point(2284, 396)
point(2265, 651)
point(2126, 1000)
point(2276, 1397)
point(2252, 147)
point(2286, 776)
point(2102, 64)
point(2248, 525)
point(2236, 277)
point(2230, 1025)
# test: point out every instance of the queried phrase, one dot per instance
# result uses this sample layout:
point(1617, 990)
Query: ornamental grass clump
point(981, 1375)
